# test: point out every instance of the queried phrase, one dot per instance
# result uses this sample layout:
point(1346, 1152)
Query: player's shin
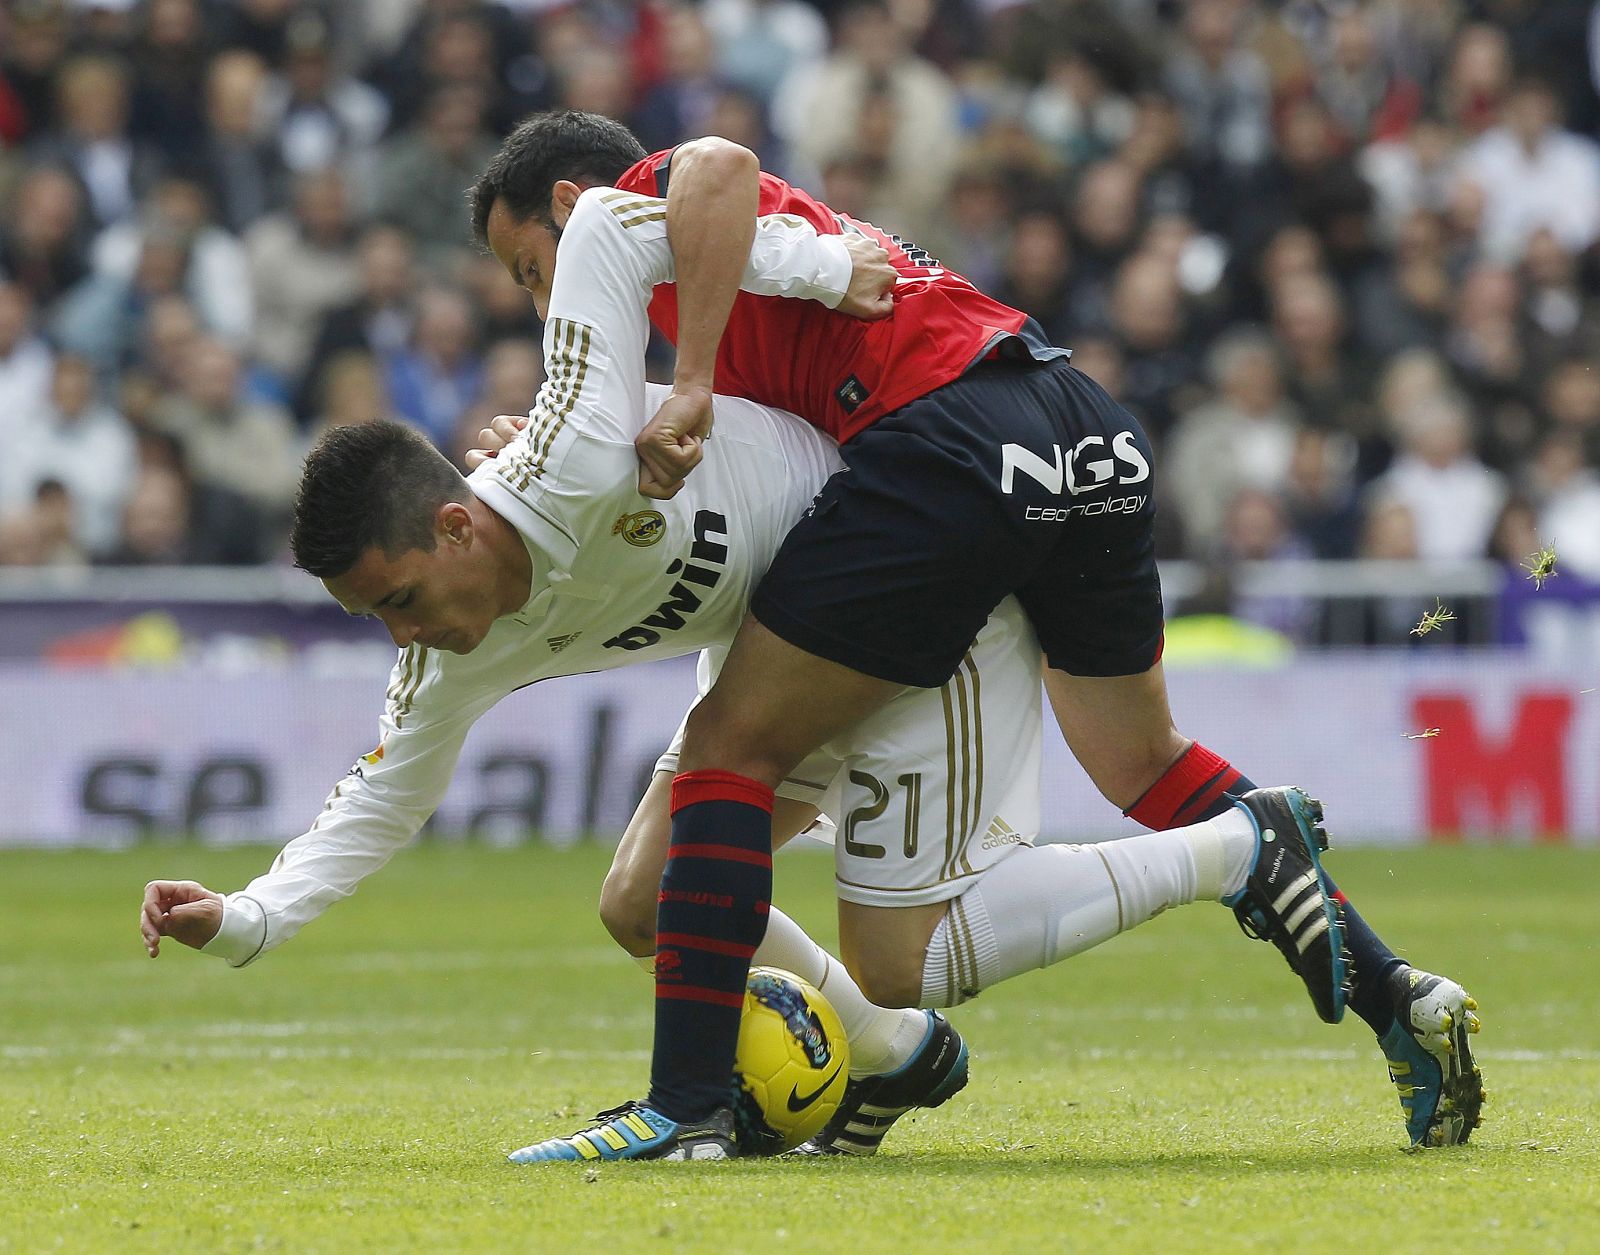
point(881, 1039)
point(1046, 903)
point(711, 916)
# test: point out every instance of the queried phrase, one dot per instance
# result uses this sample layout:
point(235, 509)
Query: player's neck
point(513, 566)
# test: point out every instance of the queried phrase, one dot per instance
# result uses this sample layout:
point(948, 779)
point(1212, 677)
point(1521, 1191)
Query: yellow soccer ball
point(792, 1064)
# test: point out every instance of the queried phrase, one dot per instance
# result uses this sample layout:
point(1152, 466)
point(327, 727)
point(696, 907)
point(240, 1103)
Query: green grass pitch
point(356, 1090)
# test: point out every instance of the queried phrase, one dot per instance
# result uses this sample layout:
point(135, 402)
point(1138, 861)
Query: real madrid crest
point(642, 529)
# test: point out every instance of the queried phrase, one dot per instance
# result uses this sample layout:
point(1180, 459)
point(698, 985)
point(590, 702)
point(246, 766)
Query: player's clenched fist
point(180, 909)
point(870, 295)
point(669, 445)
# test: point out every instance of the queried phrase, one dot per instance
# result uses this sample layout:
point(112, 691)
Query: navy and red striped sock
point(710, 917)
point(1202, 785)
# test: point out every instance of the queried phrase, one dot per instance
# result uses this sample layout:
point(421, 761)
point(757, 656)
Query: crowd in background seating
point(1340, 258)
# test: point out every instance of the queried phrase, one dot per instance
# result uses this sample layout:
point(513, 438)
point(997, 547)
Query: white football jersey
point(620, 578)
point(617, 577)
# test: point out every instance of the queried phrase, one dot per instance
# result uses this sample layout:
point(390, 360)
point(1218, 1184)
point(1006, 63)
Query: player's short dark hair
point(587, 148)
point(369, 485)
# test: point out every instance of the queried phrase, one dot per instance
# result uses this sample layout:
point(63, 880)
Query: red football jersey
point(837, 372)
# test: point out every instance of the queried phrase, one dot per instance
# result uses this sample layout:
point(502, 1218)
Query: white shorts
point(939, 785)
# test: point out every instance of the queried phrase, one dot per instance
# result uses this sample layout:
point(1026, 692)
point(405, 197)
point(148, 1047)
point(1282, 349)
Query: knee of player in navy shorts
point(720, 736)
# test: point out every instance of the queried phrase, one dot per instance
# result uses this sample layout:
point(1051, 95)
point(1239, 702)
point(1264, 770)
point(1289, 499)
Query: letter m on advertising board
point(1494, 781)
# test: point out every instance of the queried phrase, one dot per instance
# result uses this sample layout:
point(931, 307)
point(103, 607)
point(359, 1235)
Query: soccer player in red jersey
point(980, 464)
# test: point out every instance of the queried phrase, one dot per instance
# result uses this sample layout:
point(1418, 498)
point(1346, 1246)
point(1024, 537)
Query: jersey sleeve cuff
point(243, 934)
point(834, 270)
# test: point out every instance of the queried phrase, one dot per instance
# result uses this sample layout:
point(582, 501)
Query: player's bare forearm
point(712, 200)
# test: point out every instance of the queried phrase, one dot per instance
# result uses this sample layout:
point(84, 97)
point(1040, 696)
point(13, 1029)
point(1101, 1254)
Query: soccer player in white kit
point(548, 562)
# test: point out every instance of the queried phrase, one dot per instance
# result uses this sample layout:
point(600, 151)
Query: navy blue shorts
point(1018, 478)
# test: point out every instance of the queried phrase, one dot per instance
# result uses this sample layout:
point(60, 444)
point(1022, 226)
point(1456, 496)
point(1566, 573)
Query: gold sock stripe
point(966, 939)
point(1115, 888)
point(952, 981)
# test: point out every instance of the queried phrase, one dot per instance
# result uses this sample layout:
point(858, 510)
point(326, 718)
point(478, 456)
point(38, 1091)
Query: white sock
point(1046, 903)
point(880, 1039)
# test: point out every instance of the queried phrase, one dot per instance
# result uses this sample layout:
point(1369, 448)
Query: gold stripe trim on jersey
point(571, 402)
point(976, 743)
point(403, 706)
point(631, 210)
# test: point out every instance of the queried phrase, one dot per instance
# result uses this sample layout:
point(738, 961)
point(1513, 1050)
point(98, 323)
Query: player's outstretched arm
point(184, 910)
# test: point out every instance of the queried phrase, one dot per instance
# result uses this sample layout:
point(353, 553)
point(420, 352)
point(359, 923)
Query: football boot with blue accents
point(635, 1131)
point(1429, 1051)
point(871, 1104)
point(1286, 900)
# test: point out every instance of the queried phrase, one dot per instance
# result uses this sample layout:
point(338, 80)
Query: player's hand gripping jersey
point(618, 578)
point(835, 371)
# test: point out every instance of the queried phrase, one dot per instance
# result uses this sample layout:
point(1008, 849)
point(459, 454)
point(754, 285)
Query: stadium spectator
point(26, 362)
point(43, 245)
point(512, 372)
point(302, 265)
point(438, 375)
point(350, 389)
point(234, 157)
point(58, 517)
point(229, 442)
point(1566, 490)
point(1244, 438)
point(321, 117)
point(169, 56)
point(759, 42)
point(38, 37)
point(1256, 529)
point(1533, 174)
point(685, 100)
point(216, 278)
point(421, 173)
point(91, 138)
point(101, 317)
point(452, 42)
point(378, 319)
point(1038, 270)
point(1223, 89)
point(1452, 497)
point(78, 442)
point(1149, 323)
point(873, 98)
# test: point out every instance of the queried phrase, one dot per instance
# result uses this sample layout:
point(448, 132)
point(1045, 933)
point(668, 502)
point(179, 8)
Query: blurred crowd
point(1339, 257)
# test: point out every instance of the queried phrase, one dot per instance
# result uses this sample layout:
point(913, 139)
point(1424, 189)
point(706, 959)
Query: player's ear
point(452, 524)
point(563, 196)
